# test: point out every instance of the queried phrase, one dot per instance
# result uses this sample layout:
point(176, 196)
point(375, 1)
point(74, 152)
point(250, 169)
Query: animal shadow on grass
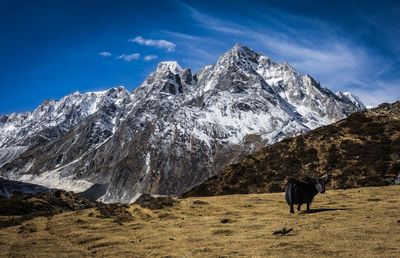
point(322, 210)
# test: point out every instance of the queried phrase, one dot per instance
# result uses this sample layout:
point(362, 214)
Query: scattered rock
point(282, 232)
point(197, 202)
point(222, 232)
point(225, 221)
point(27, 228)
point(397, 181)
point(374, 200)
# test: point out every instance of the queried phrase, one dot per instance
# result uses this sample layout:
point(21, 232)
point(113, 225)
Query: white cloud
point(161, 43)
point(104, 54)
point(150, 57)
point(130, 57)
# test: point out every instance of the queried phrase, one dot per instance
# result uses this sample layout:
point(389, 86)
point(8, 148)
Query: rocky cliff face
point(178, 129)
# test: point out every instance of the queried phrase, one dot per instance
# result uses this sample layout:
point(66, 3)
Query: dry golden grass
point(357, 222)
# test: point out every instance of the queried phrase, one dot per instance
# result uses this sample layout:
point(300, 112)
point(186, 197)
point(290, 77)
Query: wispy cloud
point(383, 92)
point(158, 43)
point(150, 57)
point(130, 57)
point(310, 45)
point(104, 54)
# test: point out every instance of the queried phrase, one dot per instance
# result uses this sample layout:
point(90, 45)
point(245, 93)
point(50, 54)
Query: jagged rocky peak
point(169, 78)
point(171, 66)
point(348, 96)
point(115, 96)
point(308, 80)
point(240, 56)
point(235, 72)
point(246, 58)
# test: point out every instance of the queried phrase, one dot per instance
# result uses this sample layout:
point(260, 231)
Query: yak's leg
point(308, 206)
point(291, 208)
point(298, 207)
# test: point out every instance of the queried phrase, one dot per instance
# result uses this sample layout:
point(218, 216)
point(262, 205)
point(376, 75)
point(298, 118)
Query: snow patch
point(54, 179)
point(147, 162)
point(172, 66)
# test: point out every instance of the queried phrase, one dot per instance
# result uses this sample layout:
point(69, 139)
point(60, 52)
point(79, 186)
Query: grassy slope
point(362, 150)
point(355, 222)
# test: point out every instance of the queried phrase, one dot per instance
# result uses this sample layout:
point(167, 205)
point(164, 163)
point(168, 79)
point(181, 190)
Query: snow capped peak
point(116, 90)
point(52, 119)
point(240, 56)
point(171, 66)
point(350, 97)
point(241, 49)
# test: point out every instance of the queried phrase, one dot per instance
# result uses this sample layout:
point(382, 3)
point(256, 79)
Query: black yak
point(303, 191)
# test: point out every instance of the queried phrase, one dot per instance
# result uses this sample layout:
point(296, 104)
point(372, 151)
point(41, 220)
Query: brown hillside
point(361, 150)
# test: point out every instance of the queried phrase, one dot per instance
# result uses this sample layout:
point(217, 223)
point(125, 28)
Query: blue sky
point(49, 49)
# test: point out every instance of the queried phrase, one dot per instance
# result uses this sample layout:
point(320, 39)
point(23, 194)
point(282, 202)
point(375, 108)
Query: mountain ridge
point(178, 129)
point(361, 150)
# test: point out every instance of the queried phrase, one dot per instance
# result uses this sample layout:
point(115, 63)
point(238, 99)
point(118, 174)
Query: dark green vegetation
point(361, 150)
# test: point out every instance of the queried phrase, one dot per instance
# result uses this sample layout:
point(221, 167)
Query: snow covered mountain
point(19, 132)
point(176, 130)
